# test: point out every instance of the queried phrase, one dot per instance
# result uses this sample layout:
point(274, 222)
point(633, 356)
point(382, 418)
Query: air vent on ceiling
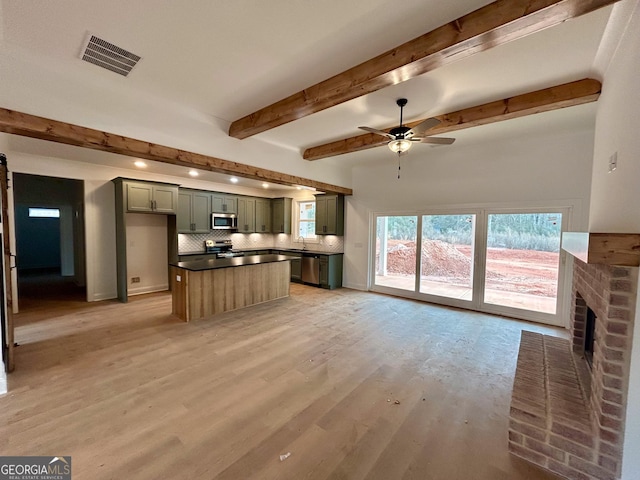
point(107, 55)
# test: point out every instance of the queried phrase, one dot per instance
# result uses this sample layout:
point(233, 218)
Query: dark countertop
point(213, 263)
point(299, 250)
point(292, 250)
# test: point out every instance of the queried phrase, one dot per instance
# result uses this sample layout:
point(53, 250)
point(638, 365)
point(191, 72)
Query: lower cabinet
point(331, 271)
point(296, 269)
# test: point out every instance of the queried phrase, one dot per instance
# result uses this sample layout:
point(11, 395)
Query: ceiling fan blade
point(438, 140)
point(377, 132)
point(423, 126)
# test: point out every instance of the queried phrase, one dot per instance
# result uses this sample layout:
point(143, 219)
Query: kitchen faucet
point(304, 247)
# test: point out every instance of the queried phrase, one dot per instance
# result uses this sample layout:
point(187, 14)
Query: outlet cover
point(135, 279)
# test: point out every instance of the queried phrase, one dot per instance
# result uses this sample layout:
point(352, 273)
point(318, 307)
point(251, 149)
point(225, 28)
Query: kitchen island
point(203, 288)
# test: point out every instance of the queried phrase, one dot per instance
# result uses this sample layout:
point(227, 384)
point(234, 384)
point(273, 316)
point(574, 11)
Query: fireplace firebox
point(589, 336)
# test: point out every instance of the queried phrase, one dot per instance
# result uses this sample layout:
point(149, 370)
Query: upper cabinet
point(263, 215)
point(148, 197)
point(329, 214)
point(246, 215)
point(281, 215)
point(255, 214)
point(194, 211)
point(222, 203)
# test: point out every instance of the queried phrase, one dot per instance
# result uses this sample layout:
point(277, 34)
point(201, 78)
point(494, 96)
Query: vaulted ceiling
point(206, 65)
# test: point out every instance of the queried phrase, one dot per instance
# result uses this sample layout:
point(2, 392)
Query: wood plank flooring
point(353, 385)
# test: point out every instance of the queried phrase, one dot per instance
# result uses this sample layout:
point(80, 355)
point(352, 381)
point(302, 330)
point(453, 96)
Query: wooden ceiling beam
point(497, 23)
point(553, 98)
point(18, 123)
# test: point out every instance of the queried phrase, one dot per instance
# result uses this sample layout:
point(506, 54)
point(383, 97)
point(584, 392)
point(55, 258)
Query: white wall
point(539, 169)
point(615, 197)
point(147, 253)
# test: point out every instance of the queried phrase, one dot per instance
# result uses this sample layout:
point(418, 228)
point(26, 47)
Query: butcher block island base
point(204, 288)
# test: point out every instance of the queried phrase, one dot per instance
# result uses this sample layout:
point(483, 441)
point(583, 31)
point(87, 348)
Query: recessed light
point(193, 173)
point(299, 188)
point(265, 185)
point(139, 164)
point(233, 180)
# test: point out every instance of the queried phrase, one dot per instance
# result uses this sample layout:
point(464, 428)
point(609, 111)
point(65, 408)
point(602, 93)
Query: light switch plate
point(613, 162)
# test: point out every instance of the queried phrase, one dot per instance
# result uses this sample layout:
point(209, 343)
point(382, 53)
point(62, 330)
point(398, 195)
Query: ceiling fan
point(401, 138)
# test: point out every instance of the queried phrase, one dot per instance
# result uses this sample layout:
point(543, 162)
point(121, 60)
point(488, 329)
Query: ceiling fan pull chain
point(399, 165)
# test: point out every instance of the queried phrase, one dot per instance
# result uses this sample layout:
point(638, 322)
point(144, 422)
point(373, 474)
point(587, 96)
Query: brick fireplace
point(568, 416)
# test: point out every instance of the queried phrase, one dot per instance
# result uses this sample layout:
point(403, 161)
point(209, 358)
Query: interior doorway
point(50, 243)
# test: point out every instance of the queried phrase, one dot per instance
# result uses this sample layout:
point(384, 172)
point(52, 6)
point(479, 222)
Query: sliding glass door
point(447, 252)
point(395, 252)
point(523, 261)
point(498, 261)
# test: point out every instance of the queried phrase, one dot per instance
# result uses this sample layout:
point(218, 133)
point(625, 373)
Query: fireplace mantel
point(621, 249)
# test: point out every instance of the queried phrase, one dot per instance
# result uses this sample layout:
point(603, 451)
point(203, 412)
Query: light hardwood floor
point(352, 384)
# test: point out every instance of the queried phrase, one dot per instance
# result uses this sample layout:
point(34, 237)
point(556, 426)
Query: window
point(44, 212)
point(306, 220)
point(503, 261)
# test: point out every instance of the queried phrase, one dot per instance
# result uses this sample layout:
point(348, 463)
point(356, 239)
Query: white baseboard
point(148, 289)
point(356, 286)
point(97, 297)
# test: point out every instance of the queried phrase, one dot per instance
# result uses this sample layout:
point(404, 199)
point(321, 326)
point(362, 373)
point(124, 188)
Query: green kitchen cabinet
point(329, 214)
point(263, 215)
point(222, 203)
point(140, 196)
point(246, 215)
point(148, 197)
point(331, 271)
point(296, 266)
point(281, 215)
point(194, 211)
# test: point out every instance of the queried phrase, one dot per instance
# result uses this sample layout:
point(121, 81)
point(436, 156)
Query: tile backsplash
point(194, 242)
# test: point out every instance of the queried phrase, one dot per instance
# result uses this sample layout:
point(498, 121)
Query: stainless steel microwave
point(224, 221)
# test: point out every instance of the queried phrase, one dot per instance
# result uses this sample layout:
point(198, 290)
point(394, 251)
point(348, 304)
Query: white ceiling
point(225, 59)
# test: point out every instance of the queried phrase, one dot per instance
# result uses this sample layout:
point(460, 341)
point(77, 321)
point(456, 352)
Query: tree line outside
point(521, 231)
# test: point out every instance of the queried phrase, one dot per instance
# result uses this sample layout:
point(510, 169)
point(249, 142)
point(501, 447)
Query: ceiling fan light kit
point(400, 146)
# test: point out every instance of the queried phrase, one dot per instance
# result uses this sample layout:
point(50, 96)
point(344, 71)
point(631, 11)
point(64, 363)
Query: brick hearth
point(565, 417)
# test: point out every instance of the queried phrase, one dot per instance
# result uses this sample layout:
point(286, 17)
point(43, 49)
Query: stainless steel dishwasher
point(311, 269)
